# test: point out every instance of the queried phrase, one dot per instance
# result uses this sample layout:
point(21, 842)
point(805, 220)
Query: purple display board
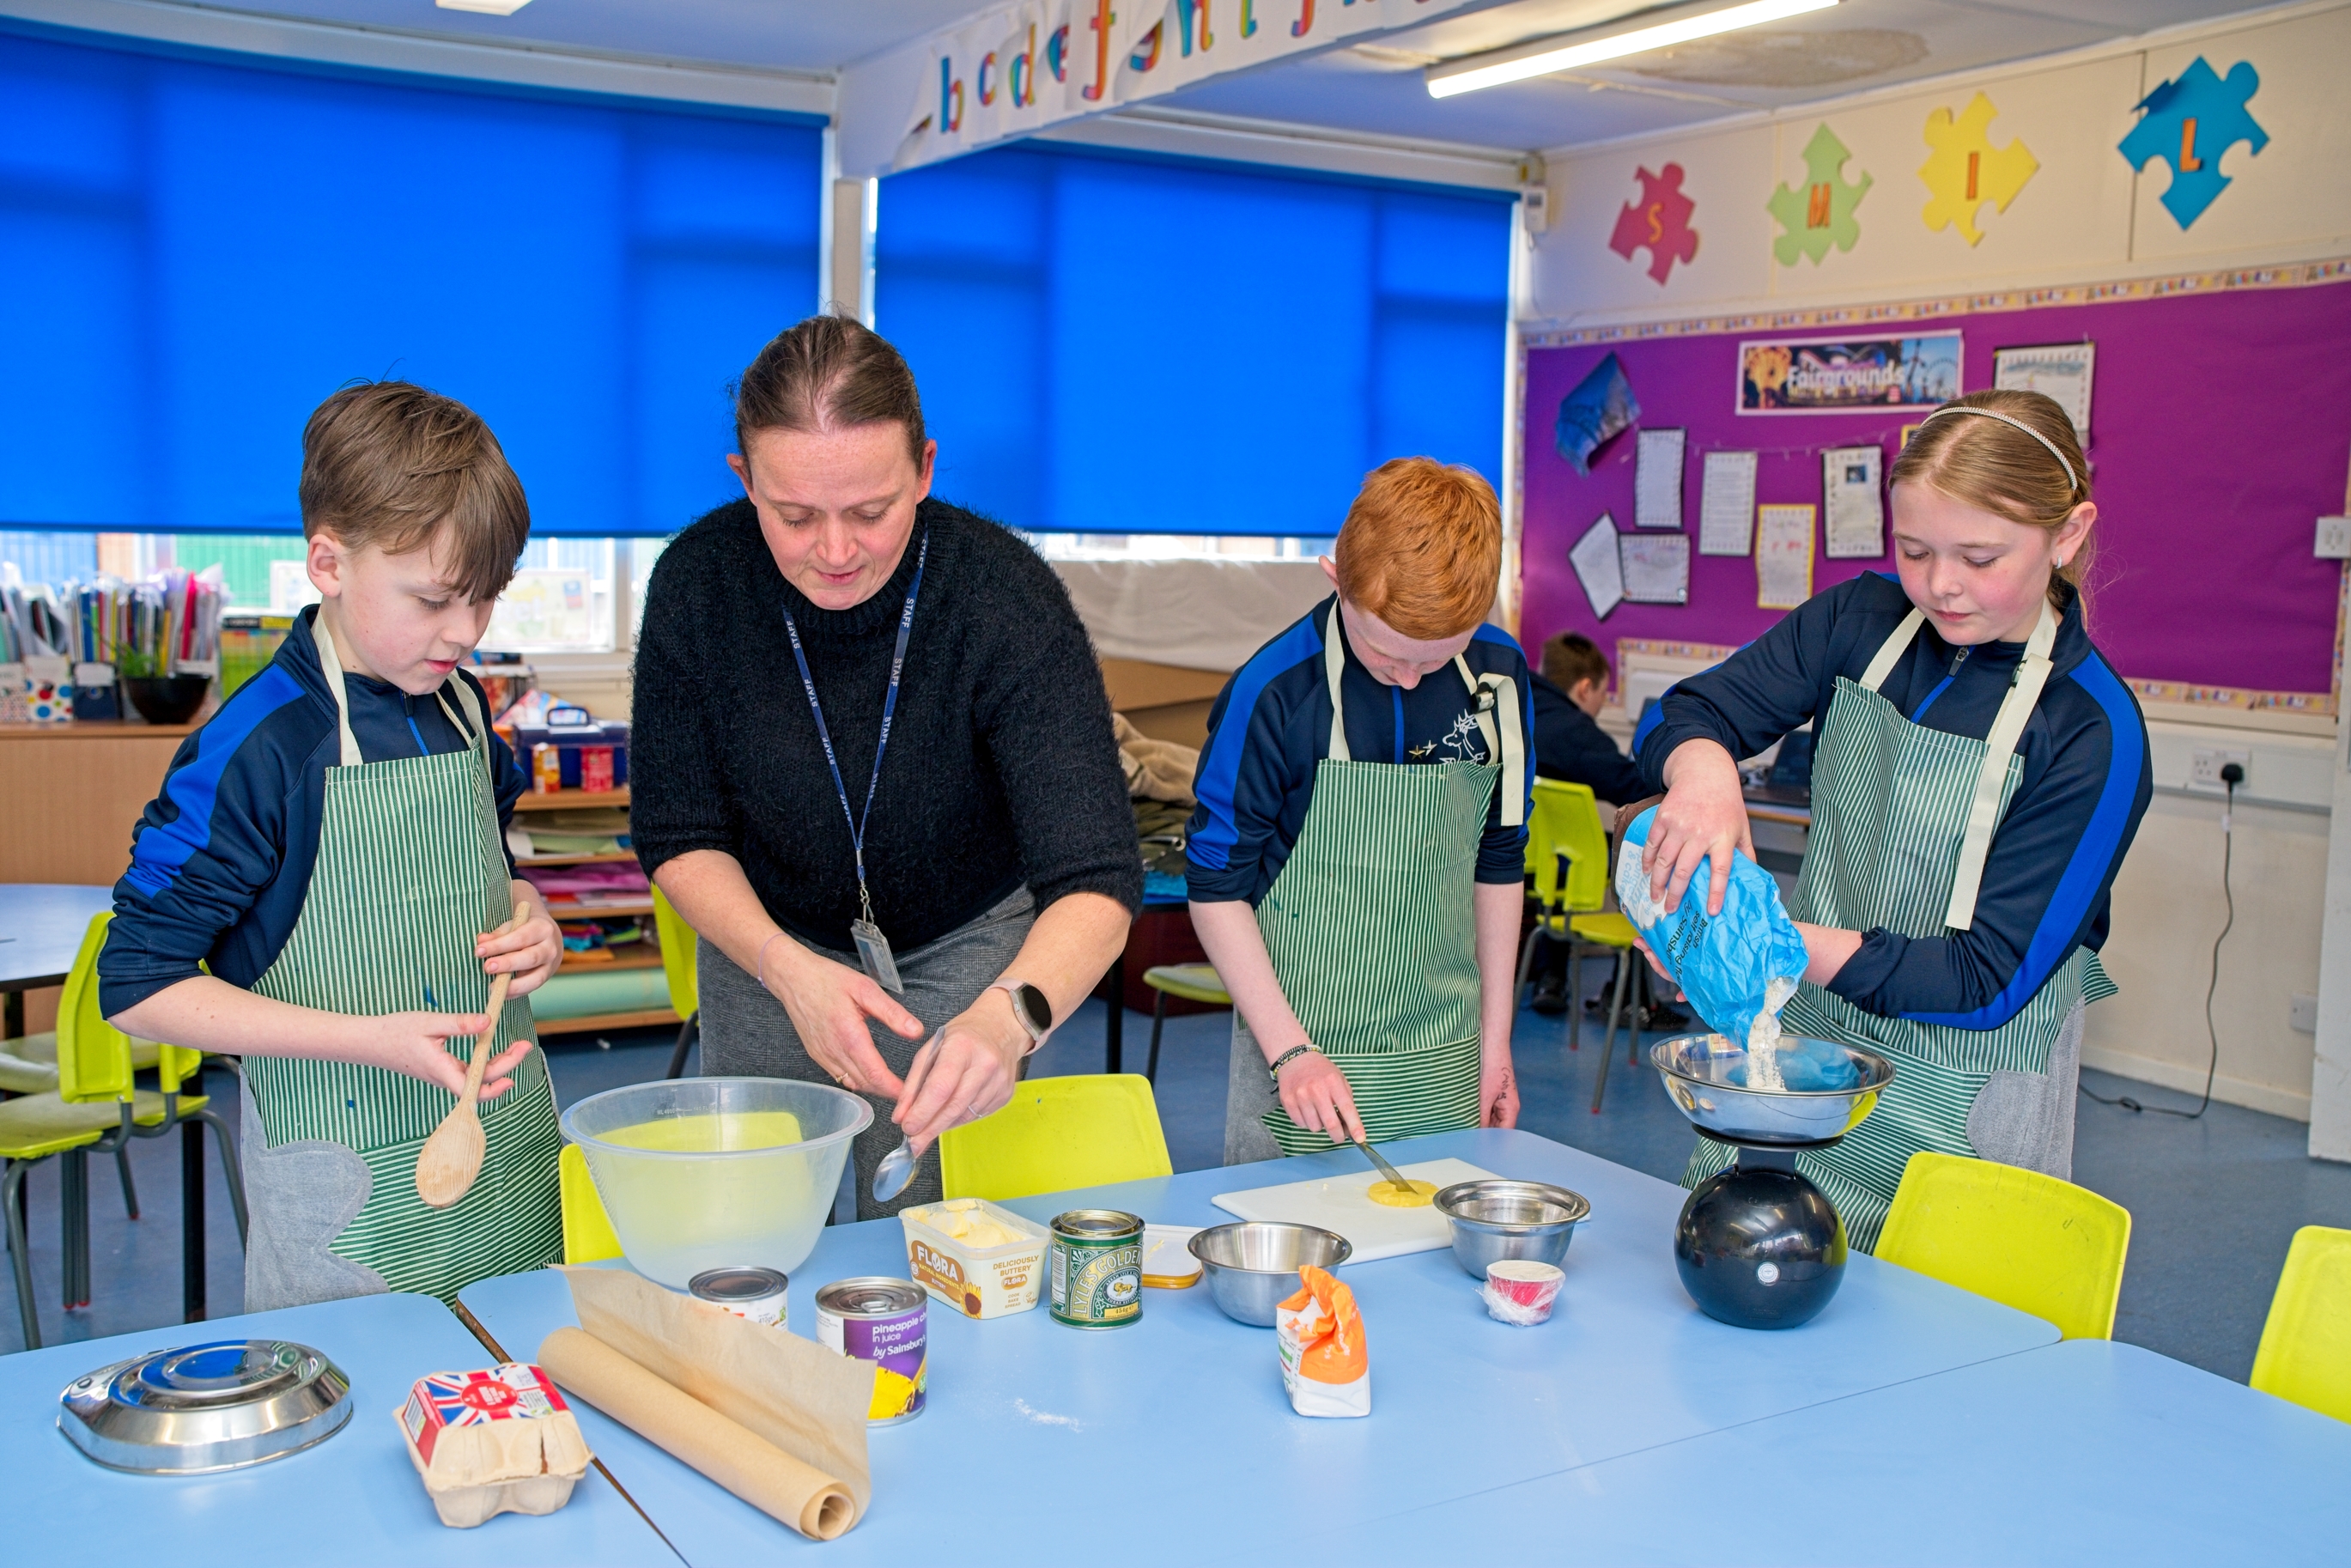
point(2220, 430)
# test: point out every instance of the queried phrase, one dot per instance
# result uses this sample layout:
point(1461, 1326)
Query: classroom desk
point(2086, 1452)
point(41, 927)
point(1035, 1431)
point(354, 1499)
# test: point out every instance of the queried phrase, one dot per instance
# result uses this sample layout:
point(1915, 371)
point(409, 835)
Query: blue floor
point(2214, 1202)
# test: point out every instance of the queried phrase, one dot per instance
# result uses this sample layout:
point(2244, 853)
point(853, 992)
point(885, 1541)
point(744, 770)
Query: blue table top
point(2086, 1452)
point(1187, 1404)
point(41, 927)
point(354, 1499)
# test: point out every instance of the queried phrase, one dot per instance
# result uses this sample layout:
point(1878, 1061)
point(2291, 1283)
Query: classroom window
point(1113, 346)
point(215, 248)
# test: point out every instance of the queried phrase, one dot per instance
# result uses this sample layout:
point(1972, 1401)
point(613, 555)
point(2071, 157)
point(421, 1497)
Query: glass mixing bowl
point(710, 1173)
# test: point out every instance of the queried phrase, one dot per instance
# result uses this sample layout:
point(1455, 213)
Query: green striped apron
point(1370, 925)
point(409, 872)
point(1903, 818)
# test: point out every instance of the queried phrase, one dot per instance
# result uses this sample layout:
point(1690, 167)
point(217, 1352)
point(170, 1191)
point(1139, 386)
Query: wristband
point(1284, 1060)
point(759, 969)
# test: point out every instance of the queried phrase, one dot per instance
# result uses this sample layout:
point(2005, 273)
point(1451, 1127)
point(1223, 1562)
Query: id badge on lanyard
point(873, 946)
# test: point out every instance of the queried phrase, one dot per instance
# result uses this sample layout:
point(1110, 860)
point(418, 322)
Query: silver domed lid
point(206, 1407)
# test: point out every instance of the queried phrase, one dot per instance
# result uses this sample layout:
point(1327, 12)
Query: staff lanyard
point(889, 707)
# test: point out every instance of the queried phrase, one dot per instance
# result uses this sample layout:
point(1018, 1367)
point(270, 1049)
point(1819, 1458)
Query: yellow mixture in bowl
point(1413, 1195)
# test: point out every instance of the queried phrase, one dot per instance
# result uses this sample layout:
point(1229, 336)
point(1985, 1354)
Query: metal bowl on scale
point(1706, 1074)
point(206, 1407)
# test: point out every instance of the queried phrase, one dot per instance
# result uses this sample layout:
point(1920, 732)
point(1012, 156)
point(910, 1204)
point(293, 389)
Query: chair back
point(2306, 1354)
point(587, 1229)
point(1567, 848)
point(2027, 1241)
point(676, 939)
point(1058, 1133)
point(93, 1056)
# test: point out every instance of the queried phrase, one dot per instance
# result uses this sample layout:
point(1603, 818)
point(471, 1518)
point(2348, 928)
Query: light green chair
point(679, 968)
point(2306, 1354)
point(2025, 1240)
point(1568, 857)
point(96, 1071)
point(1193, 983)
point(1058, 1133)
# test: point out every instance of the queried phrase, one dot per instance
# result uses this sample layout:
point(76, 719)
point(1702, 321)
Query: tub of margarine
point(979, 1258)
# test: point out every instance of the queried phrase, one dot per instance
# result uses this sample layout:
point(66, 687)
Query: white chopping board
point(1343, 1204)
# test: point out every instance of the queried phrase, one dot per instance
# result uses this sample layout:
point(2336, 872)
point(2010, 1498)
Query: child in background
point(311, 889)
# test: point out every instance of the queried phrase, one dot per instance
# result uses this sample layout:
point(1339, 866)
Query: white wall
point(2083, 217)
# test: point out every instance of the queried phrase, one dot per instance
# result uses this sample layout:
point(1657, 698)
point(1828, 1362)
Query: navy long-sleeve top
point(1271, 723)
point(2047, 880)
point(221, 860)
point(1571, 745)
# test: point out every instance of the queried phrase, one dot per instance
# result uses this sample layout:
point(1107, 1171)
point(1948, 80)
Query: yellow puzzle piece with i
point(1966, 170)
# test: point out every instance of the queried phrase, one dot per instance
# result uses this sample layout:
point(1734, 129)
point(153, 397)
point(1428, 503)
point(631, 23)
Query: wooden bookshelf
point(636, 955)
point(568, 800)
point(602, 857)
point(607, 1020)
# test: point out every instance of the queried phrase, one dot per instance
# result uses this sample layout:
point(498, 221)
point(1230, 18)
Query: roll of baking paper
point(729, 1453)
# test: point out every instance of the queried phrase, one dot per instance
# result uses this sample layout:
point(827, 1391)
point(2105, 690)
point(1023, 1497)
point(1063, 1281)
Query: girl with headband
point(1978, 775)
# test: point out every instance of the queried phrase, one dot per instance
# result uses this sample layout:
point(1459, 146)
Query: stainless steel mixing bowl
point(1252, 1266)
point(1525, 1221)
point(1696, 1070)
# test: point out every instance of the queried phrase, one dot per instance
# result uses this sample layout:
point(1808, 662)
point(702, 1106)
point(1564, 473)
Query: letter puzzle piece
point(1660, 220)
point(1820, 214)
point(1965, 170)
point(2192, 120)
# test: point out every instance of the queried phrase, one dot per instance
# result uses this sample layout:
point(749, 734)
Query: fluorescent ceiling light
point(1544, 58)
point(485, 7)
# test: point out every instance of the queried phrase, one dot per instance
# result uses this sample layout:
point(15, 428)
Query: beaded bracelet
point(1284, 1060)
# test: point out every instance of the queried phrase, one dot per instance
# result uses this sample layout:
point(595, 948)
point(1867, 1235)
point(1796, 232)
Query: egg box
point(977, 1282)
point(495, 1441)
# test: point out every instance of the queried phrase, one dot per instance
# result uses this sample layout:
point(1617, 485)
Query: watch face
point(1034, 1008)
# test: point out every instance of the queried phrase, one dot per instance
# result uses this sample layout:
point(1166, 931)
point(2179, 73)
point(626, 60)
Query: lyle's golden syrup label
point(1097, 1269)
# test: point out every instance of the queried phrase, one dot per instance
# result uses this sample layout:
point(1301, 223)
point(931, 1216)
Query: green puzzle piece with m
point(1821, 214)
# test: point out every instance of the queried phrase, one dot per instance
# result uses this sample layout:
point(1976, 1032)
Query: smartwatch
point(1029, 1006)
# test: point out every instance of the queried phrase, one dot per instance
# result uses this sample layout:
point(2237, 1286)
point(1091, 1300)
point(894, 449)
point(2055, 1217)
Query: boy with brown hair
point(323, 887)
point(1357, 856)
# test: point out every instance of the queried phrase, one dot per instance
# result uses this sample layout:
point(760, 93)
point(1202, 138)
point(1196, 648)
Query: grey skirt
point(747, 1033)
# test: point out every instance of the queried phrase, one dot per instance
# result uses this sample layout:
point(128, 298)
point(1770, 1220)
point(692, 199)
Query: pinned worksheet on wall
point(1597, 566)
point(2061, 371)
point(1656, 567)
point(1853, 501)
point(1726, 504)
point(1783, 557)
point(1658, 479)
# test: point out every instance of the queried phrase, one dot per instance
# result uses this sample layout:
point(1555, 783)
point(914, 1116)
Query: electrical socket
point(2205, 772)
point(2305, 1016)
point(2333, 539)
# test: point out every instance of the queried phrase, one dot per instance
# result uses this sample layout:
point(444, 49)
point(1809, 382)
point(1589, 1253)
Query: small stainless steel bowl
point(206, 1407)
point(1252, 1266)
point(1528, 1221)
point(1696, 1070)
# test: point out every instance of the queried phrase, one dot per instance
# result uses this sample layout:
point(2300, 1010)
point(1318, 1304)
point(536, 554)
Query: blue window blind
point(1108, 345)
point(195, 252)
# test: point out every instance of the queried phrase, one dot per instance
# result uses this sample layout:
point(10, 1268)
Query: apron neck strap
point(1498, 725)
point(1334, 664)
point(2007, 727)
point(322, 637)
point(1890, 652)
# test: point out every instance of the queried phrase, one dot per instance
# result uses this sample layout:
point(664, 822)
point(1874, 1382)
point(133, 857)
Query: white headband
point(2009, 419)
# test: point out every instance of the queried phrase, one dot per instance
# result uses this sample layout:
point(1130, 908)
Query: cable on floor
point(2231, 776)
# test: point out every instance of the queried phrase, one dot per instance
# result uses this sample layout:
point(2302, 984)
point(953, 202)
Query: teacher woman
point(872, 763)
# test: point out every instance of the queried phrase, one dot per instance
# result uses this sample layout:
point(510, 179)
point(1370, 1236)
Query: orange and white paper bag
point(1325, 1363)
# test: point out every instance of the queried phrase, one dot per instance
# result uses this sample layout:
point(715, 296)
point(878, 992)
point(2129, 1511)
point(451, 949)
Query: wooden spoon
point(451, 1158)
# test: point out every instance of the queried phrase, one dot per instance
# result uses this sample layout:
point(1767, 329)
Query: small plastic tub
point(1522, 1291)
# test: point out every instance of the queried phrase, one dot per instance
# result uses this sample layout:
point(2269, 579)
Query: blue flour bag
point(1734, 966)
